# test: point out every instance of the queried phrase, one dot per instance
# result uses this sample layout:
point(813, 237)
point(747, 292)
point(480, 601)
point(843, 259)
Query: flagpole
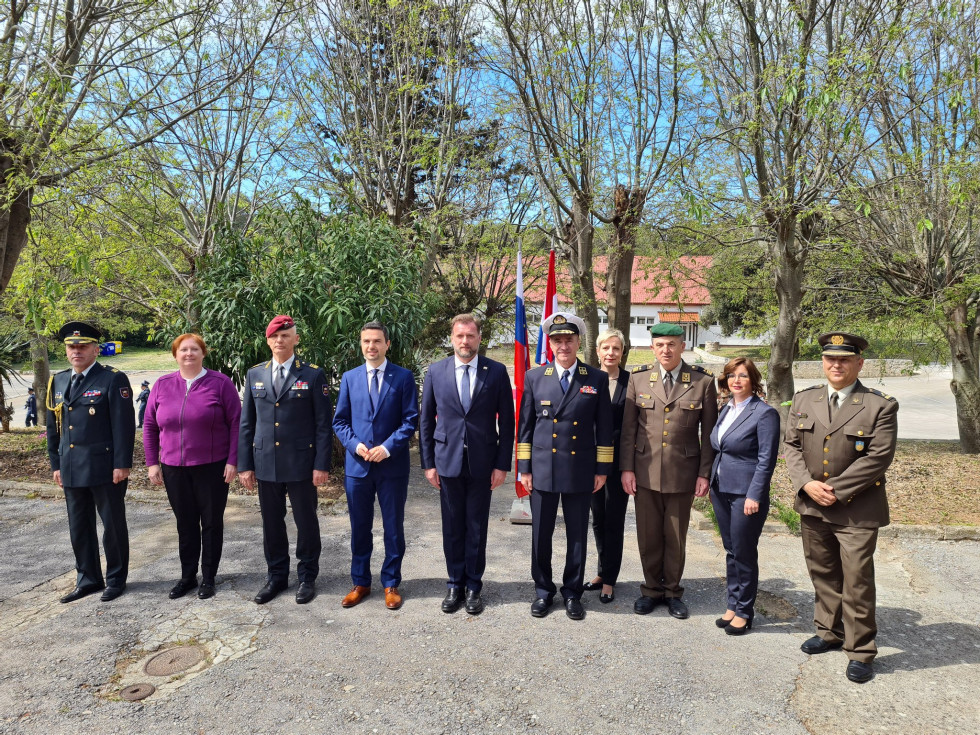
point(520, 511)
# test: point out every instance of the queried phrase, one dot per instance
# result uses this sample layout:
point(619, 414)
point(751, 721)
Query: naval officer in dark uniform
point(90, 428)
point(564, 452)
point(284, 444)
point(840, 440)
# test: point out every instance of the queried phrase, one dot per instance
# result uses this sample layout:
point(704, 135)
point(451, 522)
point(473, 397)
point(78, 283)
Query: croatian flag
point(544, 353)
point(521, 365)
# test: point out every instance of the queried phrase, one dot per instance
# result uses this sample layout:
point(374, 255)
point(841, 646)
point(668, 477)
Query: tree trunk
point(6, 412)
point(15, 216)
point(580, 236)
point(789, 294)
point(42, 370)
point(961, 333)
point(622, 254)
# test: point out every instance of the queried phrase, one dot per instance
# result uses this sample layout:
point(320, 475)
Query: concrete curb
point(699, 521)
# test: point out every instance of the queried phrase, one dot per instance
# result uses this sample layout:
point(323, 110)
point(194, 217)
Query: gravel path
point(320, 668)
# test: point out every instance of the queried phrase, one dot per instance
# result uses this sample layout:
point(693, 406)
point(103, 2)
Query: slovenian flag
point(544, 353)
point(521, 356)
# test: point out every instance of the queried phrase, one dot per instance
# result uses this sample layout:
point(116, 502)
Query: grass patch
point(784, 514)
point(756, 353)
point(131, 359)
point(704, 506)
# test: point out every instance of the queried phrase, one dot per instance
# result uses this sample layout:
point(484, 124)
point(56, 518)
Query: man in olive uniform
point(671, 408)
point(284, 445)
point(91, 428)
point(840, 440)
point(564, 453)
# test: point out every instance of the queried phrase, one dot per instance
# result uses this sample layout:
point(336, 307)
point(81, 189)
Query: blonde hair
point(609, 334)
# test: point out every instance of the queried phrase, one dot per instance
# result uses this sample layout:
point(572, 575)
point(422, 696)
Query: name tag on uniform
point(258, 386)
point(588, 390)
point(545, 403)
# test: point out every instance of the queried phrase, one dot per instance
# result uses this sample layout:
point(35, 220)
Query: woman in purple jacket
point(190, 435)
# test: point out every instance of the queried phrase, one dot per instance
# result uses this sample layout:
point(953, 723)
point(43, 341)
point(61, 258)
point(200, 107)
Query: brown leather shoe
point(393, 600)
point(355, 595)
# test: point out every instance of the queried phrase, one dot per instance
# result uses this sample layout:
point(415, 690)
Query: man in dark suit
point(284, 445)
point(671, 408)
point(31, 408)
point(466, 433)
point(377, 413)
point(91, 427)
point(840, 440)
point(564, 453)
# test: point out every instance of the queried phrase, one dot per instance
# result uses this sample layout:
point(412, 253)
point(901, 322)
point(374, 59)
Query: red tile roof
point(656, 281)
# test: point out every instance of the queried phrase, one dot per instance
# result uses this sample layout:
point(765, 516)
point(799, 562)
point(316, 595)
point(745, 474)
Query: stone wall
point(873, 368)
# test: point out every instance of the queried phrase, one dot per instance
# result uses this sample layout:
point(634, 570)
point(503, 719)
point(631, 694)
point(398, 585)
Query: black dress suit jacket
point(486, 430)
point(618, 405)
point(284, 437)
point(98, 426)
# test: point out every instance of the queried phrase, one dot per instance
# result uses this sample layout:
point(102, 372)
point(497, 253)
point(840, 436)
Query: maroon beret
point(280, 322)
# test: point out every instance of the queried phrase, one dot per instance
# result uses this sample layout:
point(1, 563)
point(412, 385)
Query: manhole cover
point(174, 660)
point(136, 692)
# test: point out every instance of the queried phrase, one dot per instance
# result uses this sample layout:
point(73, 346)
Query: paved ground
point(319, 668)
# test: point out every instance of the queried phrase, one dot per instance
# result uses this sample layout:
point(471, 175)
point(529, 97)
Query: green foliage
point(785, 515)
point(331, 274)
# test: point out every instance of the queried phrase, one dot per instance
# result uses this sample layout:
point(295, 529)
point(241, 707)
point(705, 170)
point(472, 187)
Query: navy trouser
point(272, 502)
point(391, 492)
point(465, 504)
point(110, 501)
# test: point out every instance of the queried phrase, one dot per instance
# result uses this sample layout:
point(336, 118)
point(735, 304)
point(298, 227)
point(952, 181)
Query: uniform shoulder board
point(703, 370)
point(642, 368)
point(110, 368)
point(812, 387)
point(880, 394)
point(261, 364)
point(315, 367)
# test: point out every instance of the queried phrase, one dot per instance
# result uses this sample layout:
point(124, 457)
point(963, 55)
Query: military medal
point(91, 411)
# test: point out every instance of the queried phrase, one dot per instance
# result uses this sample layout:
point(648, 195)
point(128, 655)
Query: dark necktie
point(464, 389)
point(72, 384)
point(375, 389)
point(279, 379)
point(834, 404)
point(564, 382)
point(668, 382)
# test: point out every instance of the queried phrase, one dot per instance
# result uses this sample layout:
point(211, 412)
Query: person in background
point(31, 408)
point(141, 400)
point(746, 444)
point(191, 442)
point(609, 504)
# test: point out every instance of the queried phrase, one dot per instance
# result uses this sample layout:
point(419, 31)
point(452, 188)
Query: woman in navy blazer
point(746, 441)
point(609, 504)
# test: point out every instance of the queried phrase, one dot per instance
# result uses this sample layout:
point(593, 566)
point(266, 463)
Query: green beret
point(666, 330)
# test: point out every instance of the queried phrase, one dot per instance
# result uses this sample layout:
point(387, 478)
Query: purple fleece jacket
point(197, 428)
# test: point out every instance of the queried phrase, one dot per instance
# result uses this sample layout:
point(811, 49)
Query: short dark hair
point(380, 327)
point(755, 377)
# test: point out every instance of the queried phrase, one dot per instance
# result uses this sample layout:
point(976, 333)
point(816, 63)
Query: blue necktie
point(375, 390)
point(564, 382)
point(464, 391)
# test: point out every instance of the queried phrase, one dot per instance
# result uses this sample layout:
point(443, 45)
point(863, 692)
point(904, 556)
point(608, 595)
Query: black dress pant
point(272, 502)
point(110, 501)
point(465, 516)
point(740, 536)
point(198, 495)
point(544, 511)
point(608, 524)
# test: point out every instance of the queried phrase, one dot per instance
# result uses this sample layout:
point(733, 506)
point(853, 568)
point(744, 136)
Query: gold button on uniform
point(860, 433)
point(573, 451)
point(826, 474)
point(277, 444)
point(665, 433)
point(666, 409)
point(826, 461)
point(666, 421)
point(555, 420)
point(71, 446)
point(826, 449)
point(553, 450)
point(575, 423)
point(574, 437)
point(554, 436)
point(277, 423)
point(70, 408)
point(71, 427)
point(665, 444)
point(827, 437)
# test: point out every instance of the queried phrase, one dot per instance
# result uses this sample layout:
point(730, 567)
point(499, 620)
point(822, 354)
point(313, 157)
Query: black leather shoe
point(574, 608)
point(732, 630)
point(540, 607)
point(819, 645)
point(859, 672)
point(453, 599)
point(183, 587)
point(677, 608)
point(111, 593)
point(474, 603)
point(645, 605)
point(79, 592)
point(269, 592)
point(723, 622)
point(606, 599)
point(305, 593)
point(206, 590)
point(592, 586)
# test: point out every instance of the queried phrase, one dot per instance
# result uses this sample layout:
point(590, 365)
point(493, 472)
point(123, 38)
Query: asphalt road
point(320, 668)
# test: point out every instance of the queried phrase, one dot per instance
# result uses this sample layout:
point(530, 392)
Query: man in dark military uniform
point(671, 408)
point(564, 453)
point(840, 440)
point(31, 408)
point(141, 401)
point(91, 428)
point(284, 444)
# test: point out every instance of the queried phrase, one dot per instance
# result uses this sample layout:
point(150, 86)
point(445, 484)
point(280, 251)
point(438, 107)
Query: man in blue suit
point(377, 412)
point(284, 444)
point(466, 435)
point(564, 452)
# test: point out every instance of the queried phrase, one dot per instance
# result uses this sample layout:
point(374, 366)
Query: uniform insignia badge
point(59, 396)
point(685, 377)
point(559, 320)
point(653, 376)
point(124, 392)
point(588, 390)
point(545, 403)
point(91, 411)
point(582, 370)
point(545, 413)
point(326, 391)
point(837, 340)
point(856, 399)
point(859, 446)
point(549, 371)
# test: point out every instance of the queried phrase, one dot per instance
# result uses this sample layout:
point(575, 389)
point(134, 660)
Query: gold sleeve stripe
point(604, 454)
point(524, 451)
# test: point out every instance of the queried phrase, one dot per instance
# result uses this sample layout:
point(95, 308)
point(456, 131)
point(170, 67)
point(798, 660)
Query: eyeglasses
point(740, 376)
